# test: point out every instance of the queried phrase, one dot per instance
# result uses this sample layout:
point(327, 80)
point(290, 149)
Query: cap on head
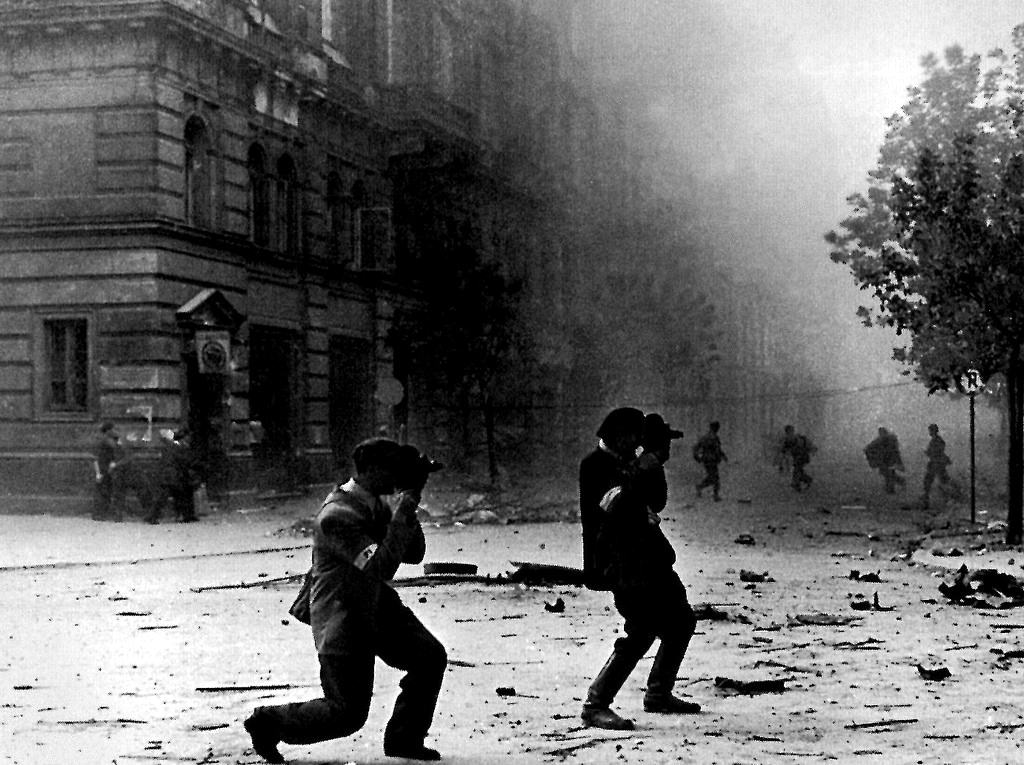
point(656, 429)
point(621, 421)
point(376, 452)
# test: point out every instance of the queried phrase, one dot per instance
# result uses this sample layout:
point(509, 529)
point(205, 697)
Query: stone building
point(210, 211)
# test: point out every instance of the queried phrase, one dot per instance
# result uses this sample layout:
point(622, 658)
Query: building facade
point(210, 211)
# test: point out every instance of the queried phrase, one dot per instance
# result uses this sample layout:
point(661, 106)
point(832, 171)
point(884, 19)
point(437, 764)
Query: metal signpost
point(971, 384)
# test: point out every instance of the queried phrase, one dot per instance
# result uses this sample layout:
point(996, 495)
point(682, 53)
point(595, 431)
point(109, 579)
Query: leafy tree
point(463, 342)
point(938, 240)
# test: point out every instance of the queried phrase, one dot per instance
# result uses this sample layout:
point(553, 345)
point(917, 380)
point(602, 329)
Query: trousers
point(347, 683)
point(658, 610)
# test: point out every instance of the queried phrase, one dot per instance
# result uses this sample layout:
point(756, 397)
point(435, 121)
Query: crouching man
point(356, 615)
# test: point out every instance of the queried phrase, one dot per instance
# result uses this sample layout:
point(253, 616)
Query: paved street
point(111, 656)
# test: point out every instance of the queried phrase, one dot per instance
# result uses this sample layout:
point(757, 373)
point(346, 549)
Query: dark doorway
point(207, 420)
point(351, 396)
point(273, 400)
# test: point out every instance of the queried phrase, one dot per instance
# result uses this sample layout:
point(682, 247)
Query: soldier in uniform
point(708, 452)
point(883, 454)
point(938, 462)
point(626, 552)
point(799, 449)
point(358, 544)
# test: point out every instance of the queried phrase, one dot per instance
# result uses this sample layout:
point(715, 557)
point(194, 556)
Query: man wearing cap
point(625, 552)
point(358, 544)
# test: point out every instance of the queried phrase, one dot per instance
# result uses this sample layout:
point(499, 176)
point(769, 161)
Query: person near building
point(883, 454)
point(621, 496)
point(358, 544)
point(108, 457)
point(708, 452)
point(177, 478)
point(799, 449)
point(938, 463)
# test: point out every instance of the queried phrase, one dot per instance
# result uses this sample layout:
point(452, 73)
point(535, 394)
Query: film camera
point(414, 467)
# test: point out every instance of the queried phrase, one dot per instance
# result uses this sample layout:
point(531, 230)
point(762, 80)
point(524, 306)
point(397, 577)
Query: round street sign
point(970, 382)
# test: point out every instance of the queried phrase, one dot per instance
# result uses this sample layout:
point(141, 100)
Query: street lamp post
point(971, 384)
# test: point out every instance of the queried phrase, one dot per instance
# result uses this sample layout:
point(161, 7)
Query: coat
point(620, 546)
point(358, 545)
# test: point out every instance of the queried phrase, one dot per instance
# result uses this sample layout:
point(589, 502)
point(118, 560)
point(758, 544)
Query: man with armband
point(358, 544)
point(621, 496)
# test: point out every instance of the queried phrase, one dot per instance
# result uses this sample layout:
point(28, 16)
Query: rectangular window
point(67, 365)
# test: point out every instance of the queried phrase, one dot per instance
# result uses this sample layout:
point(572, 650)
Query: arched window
point(198, 174)
point(259, 196)
point(339, 221)
point(287, 205)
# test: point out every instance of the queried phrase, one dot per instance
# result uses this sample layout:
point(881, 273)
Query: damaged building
point(211, 211)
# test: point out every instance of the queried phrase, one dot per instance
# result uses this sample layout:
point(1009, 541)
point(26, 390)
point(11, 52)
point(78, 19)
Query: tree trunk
point(492, 447)
point(1015, 468)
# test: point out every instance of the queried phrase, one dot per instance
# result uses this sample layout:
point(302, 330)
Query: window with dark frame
point(67, 365)
point(198, 173)
point(287, 206)
point(259, 196)
point(339, 220)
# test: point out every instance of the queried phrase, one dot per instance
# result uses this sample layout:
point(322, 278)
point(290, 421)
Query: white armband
point(609, 498)
point(363, 558)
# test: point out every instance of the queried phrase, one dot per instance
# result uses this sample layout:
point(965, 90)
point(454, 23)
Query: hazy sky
point(776, 109)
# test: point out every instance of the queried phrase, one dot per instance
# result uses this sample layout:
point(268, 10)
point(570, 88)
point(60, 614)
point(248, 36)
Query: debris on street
point(861, 604)
point(556, 606)
point(749, 687)
point(934, 673)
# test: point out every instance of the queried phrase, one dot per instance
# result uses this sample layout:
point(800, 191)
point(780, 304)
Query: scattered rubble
point(749, 687)
point(861, 604)
point(934, 673)
point(556, 606)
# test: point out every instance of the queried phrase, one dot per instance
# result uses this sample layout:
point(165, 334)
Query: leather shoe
point(670, 705)
point(603, 717)
point(264, 743)
point(412, 752)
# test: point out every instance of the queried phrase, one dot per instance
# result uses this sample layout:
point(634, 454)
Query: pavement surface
point(131, 643)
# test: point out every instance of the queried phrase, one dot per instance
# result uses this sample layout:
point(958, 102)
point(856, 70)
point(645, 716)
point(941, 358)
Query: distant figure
point(938, 460)
point(780, 458)
point(177, 479)
point(883, 454)
point(799, 449)
point(708, 452)
point(109, 501)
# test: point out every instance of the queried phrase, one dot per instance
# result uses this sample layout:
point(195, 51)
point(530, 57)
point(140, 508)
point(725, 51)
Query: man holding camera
point(621, 496)
point(358, 544)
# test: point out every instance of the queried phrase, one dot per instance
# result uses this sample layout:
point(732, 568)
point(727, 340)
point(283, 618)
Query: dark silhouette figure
point(177, 479)
point(108, 468)
point(883, 454)
point(621, 496)
point(938, 463)
point(708, 452)
point(799, 449)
